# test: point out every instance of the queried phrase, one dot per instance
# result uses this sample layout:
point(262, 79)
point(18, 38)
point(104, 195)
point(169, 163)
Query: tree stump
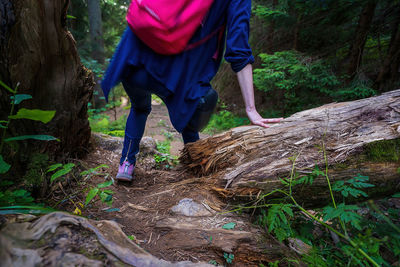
point(40, 54)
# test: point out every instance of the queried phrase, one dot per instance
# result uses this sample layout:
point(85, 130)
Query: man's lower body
point(139, 86)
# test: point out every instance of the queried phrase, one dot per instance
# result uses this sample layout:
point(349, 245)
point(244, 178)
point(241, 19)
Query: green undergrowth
point(103, 125)
point(165, 160)
point(224, 120)
point(339, 234)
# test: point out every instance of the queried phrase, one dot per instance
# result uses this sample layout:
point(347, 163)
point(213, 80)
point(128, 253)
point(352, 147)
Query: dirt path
point(144, 208)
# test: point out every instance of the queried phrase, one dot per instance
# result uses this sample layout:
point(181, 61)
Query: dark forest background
point(307, 52)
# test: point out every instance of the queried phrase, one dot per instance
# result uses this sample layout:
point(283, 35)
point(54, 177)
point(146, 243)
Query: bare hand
point(256, 119)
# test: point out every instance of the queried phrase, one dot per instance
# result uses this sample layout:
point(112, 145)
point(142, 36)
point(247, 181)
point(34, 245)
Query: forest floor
point(143, 208)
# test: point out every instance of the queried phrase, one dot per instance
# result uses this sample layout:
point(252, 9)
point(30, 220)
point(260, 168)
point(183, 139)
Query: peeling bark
point(250, 160)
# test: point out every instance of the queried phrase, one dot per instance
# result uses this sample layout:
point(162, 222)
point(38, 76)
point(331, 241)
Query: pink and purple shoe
point(125, 172)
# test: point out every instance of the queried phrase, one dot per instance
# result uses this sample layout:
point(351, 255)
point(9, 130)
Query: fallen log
point(349, 138)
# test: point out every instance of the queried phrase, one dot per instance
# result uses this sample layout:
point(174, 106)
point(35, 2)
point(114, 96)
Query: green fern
point(345, 213)
point(277, 220)
point(352, 186)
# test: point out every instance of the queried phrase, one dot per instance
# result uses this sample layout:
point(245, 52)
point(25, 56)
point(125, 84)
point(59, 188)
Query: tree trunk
point(96, 31)
point(250, 160)
point(389, 72)
point(357, 47)
point(271, 31)
point(40, 55)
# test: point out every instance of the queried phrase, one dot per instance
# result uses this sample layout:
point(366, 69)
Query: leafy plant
point(161, 123)
point(359, 241)
point(23, 113)
point(65, 169)
point(164, 158)
point(229, 257)
point(94, 171)
point(277, 220)
point(16, 197)
point(168, 135)
point(105, 195)
point(353, 186)
point(297, 80)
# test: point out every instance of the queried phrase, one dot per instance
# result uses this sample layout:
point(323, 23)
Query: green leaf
point(70, 17)
point(66, 169)
point(34, 114)
point(4, 166)
point(8, 88)
point(40, 137)
point(396, 195)
point(92, 193)
point(103, 196)
point(25, 210)
point(53, 167)
point(229, 226)
point(112, 210)
point(105, 184)
point(20, 97)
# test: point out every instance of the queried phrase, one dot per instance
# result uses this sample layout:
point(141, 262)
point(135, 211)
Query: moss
point(34, 176)
point(383, 151)
point(341, 166)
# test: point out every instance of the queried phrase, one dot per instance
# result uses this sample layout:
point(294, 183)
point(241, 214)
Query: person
point(182, 81)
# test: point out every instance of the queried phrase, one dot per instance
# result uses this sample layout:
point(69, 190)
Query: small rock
point(147, 163)
point(109, 143)
point(188, 207)
point(147, 145)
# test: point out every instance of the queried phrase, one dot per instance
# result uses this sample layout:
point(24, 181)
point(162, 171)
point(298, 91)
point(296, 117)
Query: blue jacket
point(188, 74)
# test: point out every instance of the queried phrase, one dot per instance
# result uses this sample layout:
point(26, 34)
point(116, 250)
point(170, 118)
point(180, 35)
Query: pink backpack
point(166, 26)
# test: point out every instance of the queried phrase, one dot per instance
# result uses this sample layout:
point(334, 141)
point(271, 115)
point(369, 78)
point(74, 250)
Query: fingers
point(264, 122)
point(275, 120)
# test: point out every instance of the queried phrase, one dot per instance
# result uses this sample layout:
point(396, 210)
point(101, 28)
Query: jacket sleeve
point(238, 51)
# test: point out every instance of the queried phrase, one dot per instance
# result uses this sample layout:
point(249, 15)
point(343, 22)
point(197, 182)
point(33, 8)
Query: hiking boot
point(125, 172)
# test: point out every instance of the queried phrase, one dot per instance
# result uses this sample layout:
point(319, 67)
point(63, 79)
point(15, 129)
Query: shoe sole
point(124, 178)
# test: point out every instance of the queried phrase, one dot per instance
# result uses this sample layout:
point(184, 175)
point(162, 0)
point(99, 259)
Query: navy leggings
point(139, 85)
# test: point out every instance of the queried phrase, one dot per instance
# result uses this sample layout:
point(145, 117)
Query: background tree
point(361, 33)
point(96, 30)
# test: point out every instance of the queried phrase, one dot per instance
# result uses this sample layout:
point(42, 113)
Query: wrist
point(250, 109)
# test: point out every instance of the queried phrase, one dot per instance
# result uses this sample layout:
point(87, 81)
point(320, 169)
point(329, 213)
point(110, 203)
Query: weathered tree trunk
point(250, 160)
point(390, 72)
point(96, 30)
point(39, 54)
point(357, 47)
